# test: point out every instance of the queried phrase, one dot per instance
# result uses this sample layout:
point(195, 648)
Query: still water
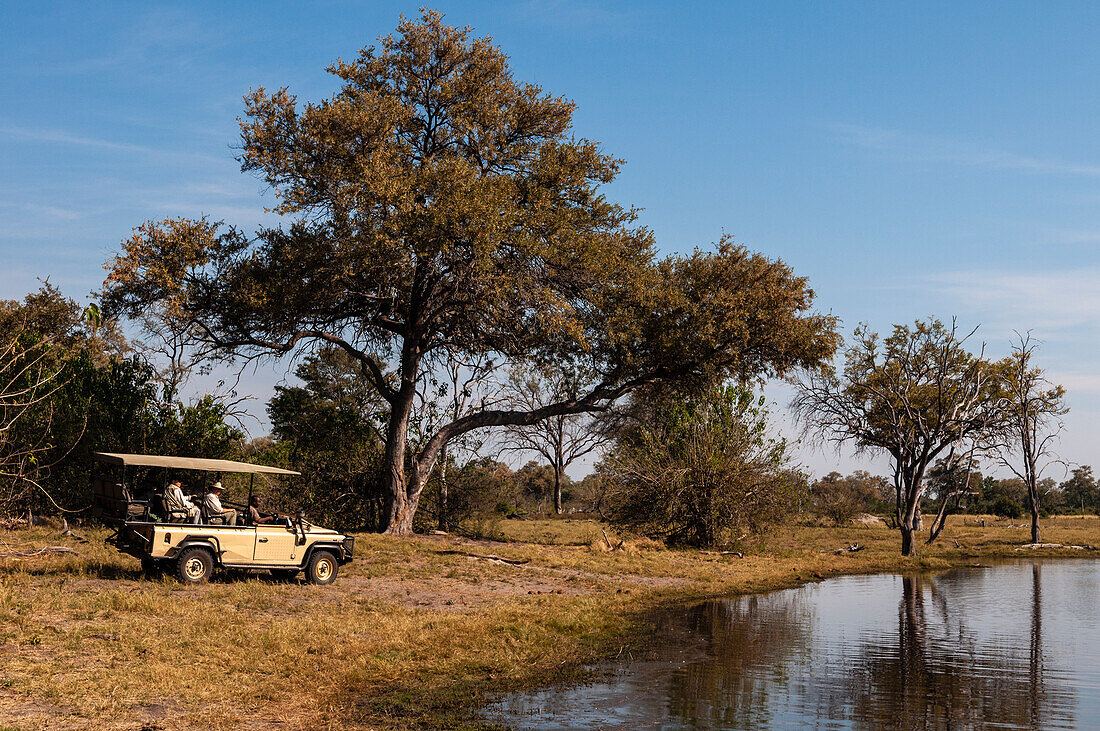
point(1009, 646)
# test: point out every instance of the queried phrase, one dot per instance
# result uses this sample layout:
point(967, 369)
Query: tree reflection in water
point(961, 649)
point(940, 674)
point(743, 636)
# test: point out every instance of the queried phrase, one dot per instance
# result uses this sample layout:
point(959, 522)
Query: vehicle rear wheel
point(194, 565)
point(322, 568)
point(151, 567)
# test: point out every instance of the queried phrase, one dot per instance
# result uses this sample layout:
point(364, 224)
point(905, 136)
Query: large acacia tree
point(914, 395)
point(436, 205)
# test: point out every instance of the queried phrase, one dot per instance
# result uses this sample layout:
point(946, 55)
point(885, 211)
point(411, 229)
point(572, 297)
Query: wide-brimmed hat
point(216, 486)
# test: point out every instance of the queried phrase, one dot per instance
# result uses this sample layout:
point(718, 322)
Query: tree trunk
point(443, 490)
point(401, 523)
point(906, 540)
point(1033, 504)
point(398, 513)
point(557, 487)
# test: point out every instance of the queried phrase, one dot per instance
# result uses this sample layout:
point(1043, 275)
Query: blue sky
point(910, 158)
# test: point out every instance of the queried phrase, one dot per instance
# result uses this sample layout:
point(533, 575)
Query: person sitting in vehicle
point(213, 506)
point(255, 517)
point(177, 502)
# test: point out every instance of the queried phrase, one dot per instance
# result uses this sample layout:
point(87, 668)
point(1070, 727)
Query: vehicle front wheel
point(322, 568)
point(194, 565)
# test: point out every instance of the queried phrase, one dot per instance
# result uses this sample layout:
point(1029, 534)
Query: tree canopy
point(437, 207)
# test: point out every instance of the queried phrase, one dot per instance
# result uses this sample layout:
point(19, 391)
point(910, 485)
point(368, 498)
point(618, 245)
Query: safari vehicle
point(166, 542)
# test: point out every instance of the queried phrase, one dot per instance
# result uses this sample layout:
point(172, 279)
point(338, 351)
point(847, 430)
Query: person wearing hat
point(213, 505)
point(177, 502)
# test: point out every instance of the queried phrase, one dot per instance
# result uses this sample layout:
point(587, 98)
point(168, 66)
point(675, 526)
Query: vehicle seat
point(112, 501)
point(170, 516)
point(210, 518)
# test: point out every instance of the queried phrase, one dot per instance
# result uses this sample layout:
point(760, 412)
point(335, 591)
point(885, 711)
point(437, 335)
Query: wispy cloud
point(149, 43)
point(36, 209)
point(64, 138)
point(61, 137)
point(1076, 382)
point(920, 147)
point(1050, 301)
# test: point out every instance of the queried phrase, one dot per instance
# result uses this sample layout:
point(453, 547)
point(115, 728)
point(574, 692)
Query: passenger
point(213, 505)
point(175, 501)
point(254, 515)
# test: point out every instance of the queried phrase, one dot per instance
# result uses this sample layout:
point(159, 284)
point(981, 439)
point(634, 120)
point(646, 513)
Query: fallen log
point(1055, 545)
point(847, 549)
point(32, 552)
point(490, 557)
point(500, 559)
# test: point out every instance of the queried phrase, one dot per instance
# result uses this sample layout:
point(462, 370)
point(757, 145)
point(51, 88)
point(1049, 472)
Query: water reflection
point(944, 671)
point(768, 631)
point(1013, 646)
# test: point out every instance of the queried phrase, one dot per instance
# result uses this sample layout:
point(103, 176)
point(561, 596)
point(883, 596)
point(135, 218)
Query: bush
point(694, 470)
point(839, 499)
point(1007, 508)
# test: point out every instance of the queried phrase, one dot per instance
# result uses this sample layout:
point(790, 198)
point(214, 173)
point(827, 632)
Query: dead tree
point(561, 440)
point(951, 490)
point(1033, 409)
point(30, 372)
point(913, 396)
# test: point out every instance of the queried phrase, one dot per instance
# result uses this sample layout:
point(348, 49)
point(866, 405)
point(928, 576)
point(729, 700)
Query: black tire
point(285, 574)
point(151, 567)
point(194, 565)
point(322, 568)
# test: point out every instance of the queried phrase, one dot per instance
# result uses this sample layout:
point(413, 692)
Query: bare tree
point(1033, 408)
point(455, 387)
point(562, 439)
point(957, 472)
point(29, 376)
point(913, 395)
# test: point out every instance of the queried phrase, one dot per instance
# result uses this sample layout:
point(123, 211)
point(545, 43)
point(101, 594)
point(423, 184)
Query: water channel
point(1014, 645)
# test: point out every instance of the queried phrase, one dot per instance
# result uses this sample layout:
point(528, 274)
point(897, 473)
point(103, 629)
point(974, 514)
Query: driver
point(213, 505)
point(254, 514)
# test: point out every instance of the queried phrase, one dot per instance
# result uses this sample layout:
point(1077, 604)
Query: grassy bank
point(414, 632)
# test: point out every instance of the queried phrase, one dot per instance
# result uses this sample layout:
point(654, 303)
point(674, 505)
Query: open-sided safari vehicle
point(167, 541)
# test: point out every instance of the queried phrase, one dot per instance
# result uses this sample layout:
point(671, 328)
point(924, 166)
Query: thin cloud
point(1076, 382)
point(1051, 301)
point(928, 148)
point(36, 209)
point(60, 137)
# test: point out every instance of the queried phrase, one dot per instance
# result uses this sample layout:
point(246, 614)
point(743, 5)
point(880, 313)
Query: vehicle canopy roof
point(189, 463)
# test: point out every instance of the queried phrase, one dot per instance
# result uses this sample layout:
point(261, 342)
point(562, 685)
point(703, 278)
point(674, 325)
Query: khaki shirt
point(176, 500)
point(213, 504)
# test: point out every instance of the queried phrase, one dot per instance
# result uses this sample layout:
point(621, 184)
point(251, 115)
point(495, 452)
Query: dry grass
point(413, 632)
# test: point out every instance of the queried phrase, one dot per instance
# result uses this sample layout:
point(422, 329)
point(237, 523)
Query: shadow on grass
point(111, 571)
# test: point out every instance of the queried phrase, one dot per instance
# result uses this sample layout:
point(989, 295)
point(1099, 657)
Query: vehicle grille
point(349, 547)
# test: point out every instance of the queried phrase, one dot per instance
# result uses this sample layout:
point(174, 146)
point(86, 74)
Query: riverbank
point(413, 634)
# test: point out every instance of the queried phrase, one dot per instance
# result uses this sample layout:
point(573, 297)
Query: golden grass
point(412, 634)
